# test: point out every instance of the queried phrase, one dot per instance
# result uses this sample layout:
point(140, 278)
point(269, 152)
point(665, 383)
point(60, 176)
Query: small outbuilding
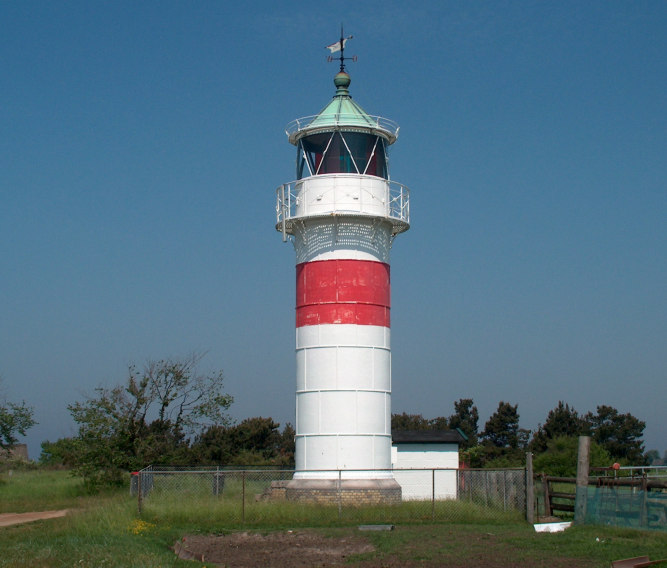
point(19, 452)
point(425, 463)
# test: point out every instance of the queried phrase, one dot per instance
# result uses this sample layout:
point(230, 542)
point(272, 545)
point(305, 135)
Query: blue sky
point(142, 143)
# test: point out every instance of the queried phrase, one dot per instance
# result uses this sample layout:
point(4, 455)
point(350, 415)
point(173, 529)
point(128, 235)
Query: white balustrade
point(340, 194)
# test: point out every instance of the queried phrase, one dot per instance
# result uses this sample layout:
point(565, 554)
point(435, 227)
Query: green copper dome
point(342, 113)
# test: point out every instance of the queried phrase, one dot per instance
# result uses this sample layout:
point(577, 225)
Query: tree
point(439, 423)
point(502, 428)
point(213, 446)
point(405, 421)
point(465, 417)
point(560, 457)
point(502, 441)
point(254, 441)
point(256, 435)
point(149, 419)
point(61, 453)
point(15, 419)
point(287, 445)
point(652, 457)
point(561, 421)
point(619, 434)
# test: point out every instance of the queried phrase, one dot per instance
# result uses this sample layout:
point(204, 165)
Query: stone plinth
point(348, 492)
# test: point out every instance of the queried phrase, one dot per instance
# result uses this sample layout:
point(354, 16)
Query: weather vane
point(340, 46)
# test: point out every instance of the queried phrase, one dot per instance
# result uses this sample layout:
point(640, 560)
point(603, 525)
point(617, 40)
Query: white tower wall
point(342, 217)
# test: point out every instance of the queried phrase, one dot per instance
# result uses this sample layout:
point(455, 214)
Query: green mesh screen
point(627, 507)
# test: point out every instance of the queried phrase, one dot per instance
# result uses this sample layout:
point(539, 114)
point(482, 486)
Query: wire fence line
point(245, 495)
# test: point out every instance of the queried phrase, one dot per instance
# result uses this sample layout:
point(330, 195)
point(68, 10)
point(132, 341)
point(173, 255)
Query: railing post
point(282, 207)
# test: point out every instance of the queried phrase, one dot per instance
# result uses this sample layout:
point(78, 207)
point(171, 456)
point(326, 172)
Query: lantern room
point(342, 138)
point(341, 152)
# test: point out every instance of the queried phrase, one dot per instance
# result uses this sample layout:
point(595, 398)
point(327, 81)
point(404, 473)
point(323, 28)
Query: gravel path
point(7, 519)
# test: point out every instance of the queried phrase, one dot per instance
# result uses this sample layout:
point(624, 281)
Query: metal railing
point(290, 199)
point(343, 120)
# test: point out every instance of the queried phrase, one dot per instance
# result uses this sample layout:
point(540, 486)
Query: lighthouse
point(342, 214)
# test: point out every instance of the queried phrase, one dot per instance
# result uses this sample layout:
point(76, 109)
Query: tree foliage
point(561, 421)
point(15, 420)
point(254, 441)
point(502, 428)
point(652, 457)
point(619, 434)
point(465, 418)
point(560, 457)
point(403, 422)
point(503, 443)
point(148, 419)
point(61, 453)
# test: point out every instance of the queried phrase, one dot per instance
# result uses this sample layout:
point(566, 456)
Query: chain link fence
point(261, 495)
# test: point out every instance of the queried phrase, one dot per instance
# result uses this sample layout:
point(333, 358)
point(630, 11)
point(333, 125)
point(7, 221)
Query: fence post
point(243, 497)
point(433, 493)
point(643, 513)
point(340, 494)
point(530, 489)
point(140, 486)
point(547, 497)
point(582, 480)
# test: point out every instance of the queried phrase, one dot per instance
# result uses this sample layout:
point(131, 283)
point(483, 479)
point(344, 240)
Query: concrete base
point(347, 492)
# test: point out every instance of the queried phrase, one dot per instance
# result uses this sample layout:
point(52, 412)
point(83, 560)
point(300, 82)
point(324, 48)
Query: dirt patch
point(310, 548)
point(298, 549)
point(7, 519)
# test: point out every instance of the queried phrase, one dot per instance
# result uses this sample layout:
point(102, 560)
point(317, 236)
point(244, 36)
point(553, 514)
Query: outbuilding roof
point(427, 437)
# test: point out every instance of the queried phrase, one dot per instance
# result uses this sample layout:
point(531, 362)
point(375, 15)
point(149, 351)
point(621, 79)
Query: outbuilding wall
point(418, 467)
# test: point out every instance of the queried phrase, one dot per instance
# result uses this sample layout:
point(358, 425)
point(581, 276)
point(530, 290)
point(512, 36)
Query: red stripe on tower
point(343, 292)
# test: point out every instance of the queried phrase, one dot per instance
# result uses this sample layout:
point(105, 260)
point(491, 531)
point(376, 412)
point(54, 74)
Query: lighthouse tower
point(342, 214)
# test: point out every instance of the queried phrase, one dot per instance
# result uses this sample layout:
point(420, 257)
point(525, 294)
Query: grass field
point(106, 530)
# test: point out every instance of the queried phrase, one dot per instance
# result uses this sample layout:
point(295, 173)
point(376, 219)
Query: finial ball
point(342, 80)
